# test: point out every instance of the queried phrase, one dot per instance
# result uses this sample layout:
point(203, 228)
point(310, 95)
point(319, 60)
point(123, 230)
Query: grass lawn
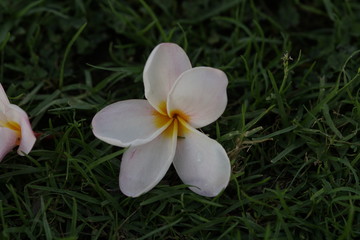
point(291, 126)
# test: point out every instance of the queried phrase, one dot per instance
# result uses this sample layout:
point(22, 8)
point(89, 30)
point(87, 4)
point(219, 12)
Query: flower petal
point(17, 117)
point(130, 122)
point(8, 140)
point(200, 95)
point(27, 137)
point(164, 65)
point(202, 163)
point(143, 167)
point(3, 97)
point(4, 102)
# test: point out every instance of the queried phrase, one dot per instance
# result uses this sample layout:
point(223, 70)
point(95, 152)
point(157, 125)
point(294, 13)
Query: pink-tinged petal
point(130, 122)
point(27, 138)
point(199, 95)
point(142, 167)
point(8, 140)
point(164, 65)
point(202, 163)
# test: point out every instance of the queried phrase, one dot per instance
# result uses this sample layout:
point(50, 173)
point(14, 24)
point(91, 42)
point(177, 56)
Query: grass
point(291, 127)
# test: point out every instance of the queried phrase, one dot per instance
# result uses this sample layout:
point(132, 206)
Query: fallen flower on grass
point(15, 128)
point(161, 130)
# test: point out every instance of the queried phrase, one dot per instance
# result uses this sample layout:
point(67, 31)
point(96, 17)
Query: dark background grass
point(290, 128)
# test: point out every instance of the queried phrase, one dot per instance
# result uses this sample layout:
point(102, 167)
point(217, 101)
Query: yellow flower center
point(161, 118)
point(13, 126)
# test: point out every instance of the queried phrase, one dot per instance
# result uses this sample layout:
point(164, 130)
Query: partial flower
point(15, 128)
point(162, 129)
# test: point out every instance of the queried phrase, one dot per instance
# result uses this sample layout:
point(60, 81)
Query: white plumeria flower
point(15, 128)
point(161, 130)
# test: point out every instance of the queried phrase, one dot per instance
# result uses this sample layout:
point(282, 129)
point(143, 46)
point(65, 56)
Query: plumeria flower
point(15, 128)
point(162, 129)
